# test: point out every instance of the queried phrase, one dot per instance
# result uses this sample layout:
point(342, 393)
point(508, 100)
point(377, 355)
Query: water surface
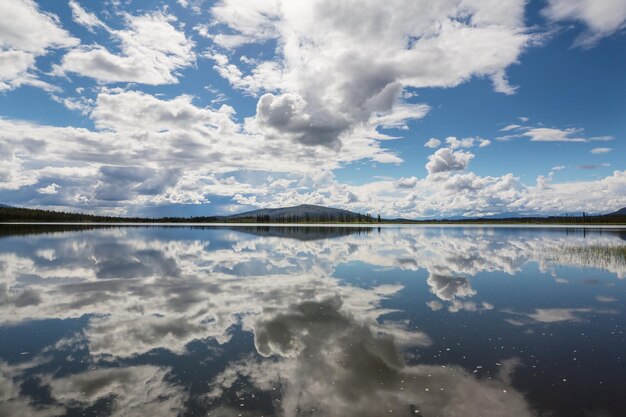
point(292, 321)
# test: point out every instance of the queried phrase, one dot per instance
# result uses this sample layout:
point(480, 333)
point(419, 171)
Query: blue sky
point(405, 108)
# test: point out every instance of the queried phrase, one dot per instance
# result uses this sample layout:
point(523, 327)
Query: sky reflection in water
point(262, 321)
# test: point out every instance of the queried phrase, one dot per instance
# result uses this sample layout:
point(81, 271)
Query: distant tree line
point(16, 214)
point(565, 219)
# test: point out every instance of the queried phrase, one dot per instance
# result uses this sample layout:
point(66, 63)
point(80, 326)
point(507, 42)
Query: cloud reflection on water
point(329, 345)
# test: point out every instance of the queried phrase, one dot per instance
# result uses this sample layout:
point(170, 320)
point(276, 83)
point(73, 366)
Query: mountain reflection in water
point(311, 321)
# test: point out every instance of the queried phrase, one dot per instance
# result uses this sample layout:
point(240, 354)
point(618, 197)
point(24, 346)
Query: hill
point(620, 212)
point(303, 212)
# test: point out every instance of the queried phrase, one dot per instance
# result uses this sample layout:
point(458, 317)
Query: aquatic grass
point(612, 258)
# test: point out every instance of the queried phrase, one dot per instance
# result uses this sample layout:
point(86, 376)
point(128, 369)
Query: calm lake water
point(295, 321)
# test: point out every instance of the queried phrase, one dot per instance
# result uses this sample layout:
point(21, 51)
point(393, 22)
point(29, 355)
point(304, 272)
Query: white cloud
point(432, 143)
point(322, 89)
point(25, 34)
point(321, 104)
point(501, 83)
point(546, 134)
point(445, 160)
point(195, 6)
point(510, 127)
point(455, 143)
point(286, 114)
point(602, 17)
point(153, 49)
point(550, 134)
point(597, 151)
point(80, 104)
point(131, 111)
point(150, 151)
point(85, 18)
point(50, 189)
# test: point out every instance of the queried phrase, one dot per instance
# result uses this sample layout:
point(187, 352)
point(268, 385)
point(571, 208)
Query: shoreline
point(348, 225)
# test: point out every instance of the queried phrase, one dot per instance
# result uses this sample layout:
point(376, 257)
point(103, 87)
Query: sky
point(404, 108)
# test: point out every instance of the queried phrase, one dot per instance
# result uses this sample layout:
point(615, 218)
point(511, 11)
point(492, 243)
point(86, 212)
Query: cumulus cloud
point(287, 114)
point(153, 50)
point(163, 147)
point(455, 143)
point(25, 34)
point(432, 143)
point(132, 111)
point(50, 189)
point(320, 105)
point(322, 89)
point(445, 160)
point(177, 152)
point(602, 18)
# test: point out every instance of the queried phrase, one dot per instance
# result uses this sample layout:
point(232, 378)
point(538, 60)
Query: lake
point(312, 321)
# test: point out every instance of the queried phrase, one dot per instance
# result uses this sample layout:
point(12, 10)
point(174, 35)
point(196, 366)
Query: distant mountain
point(303, 211)
point(620, 212)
